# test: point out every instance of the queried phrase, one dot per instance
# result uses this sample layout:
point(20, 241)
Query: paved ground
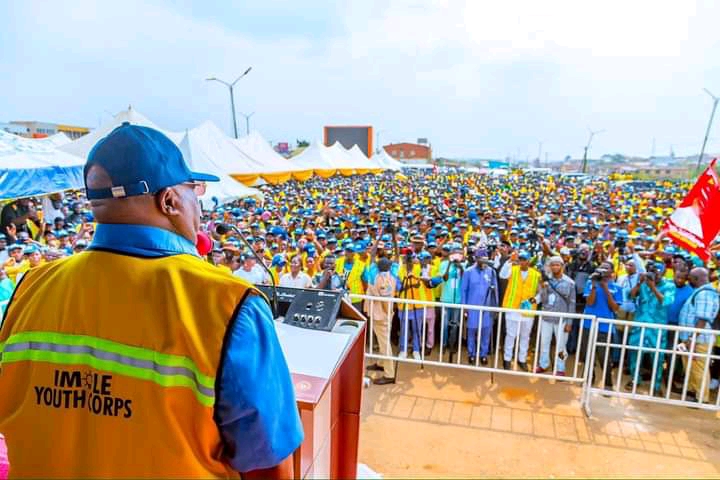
point(440, 422)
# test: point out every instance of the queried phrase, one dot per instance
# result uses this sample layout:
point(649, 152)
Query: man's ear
point(168, 202)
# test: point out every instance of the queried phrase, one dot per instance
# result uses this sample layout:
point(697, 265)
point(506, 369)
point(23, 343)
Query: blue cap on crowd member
point(432, 244)
point(385, 237)
point(424, 255)
point(236, 212)
point(298, 231)
point(30, 249)
point(524, 255)
point(278, 260)
point(15, 246)
point(447, 247)
point(139, 161)
point(61, 233)
point(332, 241)
point(360, 247)
point(321, 235)
point(349, 247)
point(481, 253)
point(89, 217)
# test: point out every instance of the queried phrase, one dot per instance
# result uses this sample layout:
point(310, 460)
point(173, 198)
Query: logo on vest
point(84, 390)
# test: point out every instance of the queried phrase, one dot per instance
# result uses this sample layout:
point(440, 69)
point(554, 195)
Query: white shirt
point(255, 276)
point(301, 281)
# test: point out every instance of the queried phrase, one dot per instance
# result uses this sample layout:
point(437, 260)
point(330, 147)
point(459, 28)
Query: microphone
point(224, 228)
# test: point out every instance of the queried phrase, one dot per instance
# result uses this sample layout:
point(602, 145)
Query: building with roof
point(409, 152)
point(35, 129)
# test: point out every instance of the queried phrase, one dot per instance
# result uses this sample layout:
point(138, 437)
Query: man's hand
point(568, 327)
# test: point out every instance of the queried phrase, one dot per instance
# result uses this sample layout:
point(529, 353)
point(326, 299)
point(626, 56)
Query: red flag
point(696, 222)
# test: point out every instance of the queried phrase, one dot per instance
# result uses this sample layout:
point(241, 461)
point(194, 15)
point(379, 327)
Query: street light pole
point(247, 122)
point(709, 126)
point(587, 147)
point(232, 95)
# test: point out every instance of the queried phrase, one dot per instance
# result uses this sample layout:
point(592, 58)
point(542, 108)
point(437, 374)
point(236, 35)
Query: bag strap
point(565, 299)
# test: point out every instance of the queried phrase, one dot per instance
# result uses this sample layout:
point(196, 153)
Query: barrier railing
point(498, 341)
point(679, 363)
point(416, 322)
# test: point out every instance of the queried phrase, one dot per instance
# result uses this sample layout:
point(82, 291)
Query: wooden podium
point(329, 402)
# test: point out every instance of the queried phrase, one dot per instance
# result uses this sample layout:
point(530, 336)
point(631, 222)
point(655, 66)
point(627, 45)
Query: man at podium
point(136, 358)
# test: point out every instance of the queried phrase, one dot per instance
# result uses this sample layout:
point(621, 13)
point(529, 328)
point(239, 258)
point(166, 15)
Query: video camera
point(599, 274)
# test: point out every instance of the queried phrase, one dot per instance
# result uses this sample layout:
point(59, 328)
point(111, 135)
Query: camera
point(598, 274)
point(620, 244)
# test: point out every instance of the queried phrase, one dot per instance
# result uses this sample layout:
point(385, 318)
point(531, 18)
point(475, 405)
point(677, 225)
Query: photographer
point(413, 287)
point(603, 300)
point(653, 295)
point(479, 287)
point(557, 294)
point(634, 269)
point(452, 270)
point(579, 270)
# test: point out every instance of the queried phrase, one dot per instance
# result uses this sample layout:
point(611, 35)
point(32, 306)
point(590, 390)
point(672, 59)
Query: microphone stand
point(274, 299)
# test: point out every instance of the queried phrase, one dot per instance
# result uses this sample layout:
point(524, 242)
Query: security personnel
point(135, 358)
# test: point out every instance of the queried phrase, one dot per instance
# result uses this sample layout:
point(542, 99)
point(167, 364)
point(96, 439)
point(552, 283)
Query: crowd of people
point(524, 242)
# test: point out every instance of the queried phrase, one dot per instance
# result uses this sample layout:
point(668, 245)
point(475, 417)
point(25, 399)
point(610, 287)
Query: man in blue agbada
point(653, 295)
point(479, 287)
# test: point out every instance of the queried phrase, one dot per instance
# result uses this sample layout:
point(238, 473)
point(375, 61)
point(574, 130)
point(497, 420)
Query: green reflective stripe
point(163, 359)
point(514, 275)
point(109, 366)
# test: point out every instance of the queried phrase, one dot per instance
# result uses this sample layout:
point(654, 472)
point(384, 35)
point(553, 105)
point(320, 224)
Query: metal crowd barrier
point(620, 356)
point(625, 348)
point(408, 311)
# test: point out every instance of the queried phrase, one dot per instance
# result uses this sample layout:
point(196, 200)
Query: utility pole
point(247, 122)
point(709, 126)
point(540, 144)
point(587, 147)
point(232, 95)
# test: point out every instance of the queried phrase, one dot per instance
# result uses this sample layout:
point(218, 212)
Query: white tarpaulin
point(204, 153)
point(30, 167)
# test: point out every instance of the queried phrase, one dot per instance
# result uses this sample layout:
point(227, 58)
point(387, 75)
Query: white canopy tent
point(203, 155)
point(384, 159)
point(273, 167)
point(318, 158)
point(82, 146)
point(345, 163)
point(370, 165)
point(57, 140)
point(31, 167)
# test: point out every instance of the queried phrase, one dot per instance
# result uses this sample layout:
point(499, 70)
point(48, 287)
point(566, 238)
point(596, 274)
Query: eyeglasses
point(198, 187)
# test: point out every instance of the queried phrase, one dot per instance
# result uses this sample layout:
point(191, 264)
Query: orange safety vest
point(519, 290)
point(109, 365)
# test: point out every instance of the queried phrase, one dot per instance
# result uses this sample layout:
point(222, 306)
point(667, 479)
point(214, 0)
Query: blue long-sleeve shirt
point(255, 405)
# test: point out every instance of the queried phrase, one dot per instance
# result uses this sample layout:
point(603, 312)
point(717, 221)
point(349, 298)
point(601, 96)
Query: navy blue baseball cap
point(139, 160)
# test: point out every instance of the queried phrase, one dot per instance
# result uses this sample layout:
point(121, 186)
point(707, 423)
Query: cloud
point(477, 78)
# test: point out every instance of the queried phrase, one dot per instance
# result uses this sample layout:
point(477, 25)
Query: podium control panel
point(305, 308)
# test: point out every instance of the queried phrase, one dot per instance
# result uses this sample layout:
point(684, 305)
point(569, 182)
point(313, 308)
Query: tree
point(302, 143)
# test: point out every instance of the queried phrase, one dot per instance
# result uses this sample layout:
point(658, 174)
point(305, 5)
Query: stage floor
point(440, 422)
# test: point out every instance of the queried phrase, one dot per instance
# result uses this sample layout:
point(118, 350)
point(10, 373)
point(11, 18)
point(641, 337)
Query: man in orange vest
point(136, 358)
point(520, 293)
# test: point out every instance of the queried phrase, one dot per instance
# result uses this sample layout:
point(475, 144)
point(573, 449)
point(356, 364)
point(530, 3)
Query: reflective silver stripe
point(113, 357)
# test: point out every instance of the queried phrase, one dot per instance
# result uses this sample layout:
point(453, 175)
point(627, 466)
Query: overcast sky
point(477, 78)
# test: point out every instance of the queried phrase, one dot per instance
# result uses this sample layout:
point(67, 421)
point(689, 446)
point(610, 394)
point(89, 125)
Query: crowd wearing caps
point(425, 218)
